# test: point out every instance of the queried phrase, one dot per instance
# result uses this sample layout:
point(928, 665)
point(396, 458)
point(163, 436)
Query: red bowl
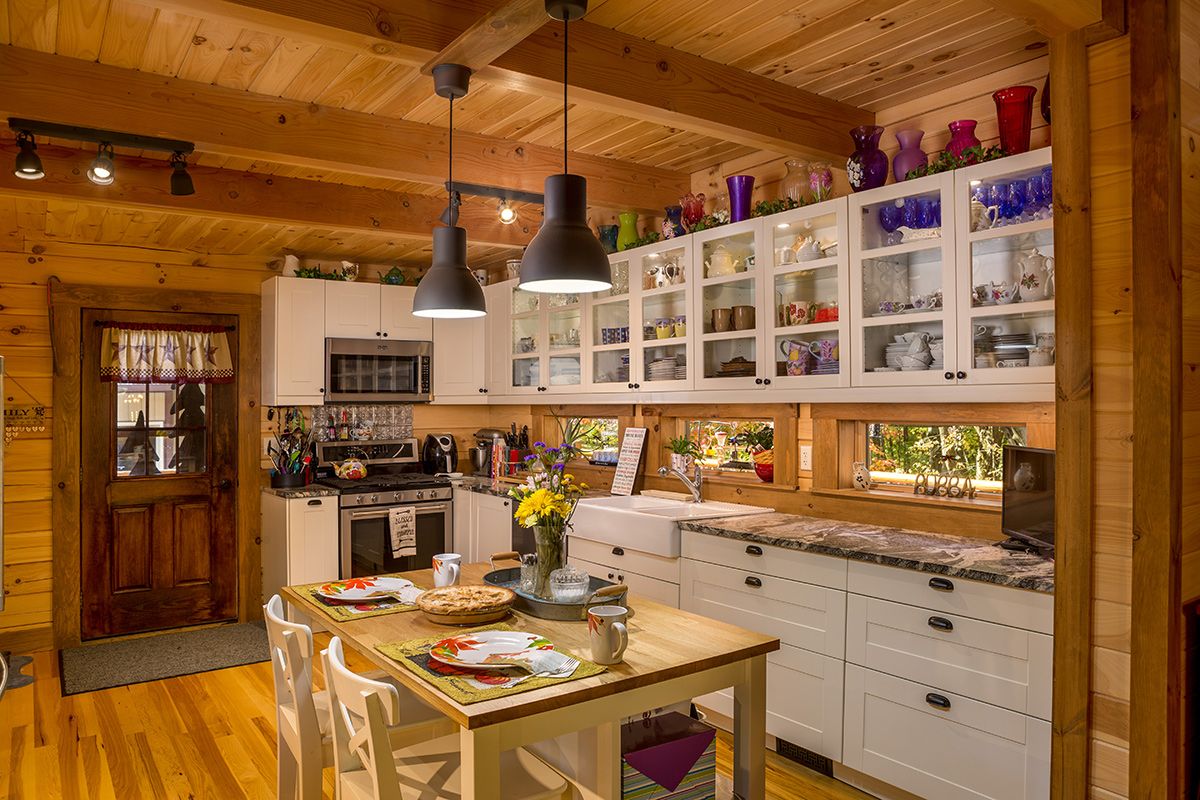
point(766, 472)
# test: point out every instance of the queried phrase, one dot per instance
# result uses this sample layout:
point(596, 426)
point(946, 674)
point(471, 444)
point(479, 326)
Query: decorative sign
point(24, 419)
point(629, 462)
point(944, 484)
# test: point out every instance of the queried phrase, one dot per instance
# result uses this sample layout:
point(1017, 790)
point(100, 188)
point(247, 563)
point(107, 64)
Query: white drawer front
point(997, 664)
point(1000, 604)
point(624, 558)
point(970, 750)
point(763, 559)
point(800, 614)
point(804, 700)
point(654, 589)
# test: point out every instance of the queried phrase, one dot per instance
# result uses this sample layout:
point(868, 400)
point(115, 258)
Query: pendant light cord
point(566, 33)
point(450, 168)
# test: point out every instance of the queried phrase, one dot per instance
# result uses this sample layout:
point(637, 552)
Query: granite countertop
point(481, 484)
point(959, 556)
point(312, 490)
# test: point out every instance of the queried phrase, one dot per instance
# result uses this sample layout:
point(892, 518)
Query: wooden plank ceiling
point(868, 53)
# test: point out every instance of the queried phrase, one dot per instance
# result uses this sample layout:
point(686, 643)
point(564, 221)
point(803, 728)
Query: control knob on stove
point(420, 495)
point(433, 494)
point(358, 501)
point(397, 497)
point(374, 498)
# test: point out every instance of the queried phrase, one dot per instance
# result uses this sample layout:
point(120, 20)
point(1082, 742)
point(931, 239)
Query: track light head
point(102, 171)
point(181, 181)
point(28, 165)
point(508, 214)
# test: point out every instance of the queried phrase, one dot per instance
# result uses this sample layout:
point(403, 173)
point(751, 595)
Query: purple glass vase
point(740, 188)
point(910, 156)
point(867, 167)
point(962, 136)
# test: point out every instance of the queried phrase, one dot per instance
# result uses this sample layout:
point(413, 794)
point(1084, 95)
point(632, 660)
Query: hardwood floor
point(209, 736)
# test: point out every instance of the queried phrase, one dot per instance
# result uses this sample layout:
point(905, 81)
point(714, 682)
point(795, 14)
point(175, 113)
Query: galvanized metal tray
point(602, 593)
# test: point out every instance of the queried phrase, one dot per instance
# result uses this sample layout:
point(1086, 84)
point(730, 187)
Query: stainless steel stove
point(394, 479)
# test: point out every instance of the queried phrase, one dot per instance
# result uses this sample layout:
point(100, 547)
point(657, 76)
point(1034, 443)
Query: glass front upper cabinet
point(665, 278)
point(611, 323)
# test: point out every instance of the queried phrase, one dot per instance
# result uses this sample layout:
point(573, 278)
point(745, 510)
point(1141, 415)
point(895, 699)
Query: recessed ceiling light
point(783, 225)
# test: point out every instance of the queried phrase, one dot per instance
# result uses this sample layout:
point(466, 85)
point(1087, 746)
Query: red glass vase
point(1014, 114)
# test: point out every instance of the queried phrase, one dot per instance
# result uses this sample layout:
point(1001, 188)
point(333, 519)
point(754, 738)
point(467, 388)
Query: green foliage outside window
point(594, 433)
point(727, 444)
point(976, 451)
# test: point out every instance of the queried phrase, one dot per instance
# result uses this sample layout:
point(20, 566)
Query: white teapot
point(1037, 276)
point(722, 262)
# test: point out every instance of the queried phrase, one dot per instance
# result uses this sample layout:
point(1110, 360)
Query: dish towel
point(402, 526)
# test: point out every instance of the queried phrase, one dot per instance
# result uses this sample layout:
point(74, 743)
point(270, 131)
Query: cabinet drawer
point(804, 700)
point(1005, 666)
point(624, 558)
point(968, 750)
point(654, 589)
point(1001, 604)
point(763, 559)
point(799, 614)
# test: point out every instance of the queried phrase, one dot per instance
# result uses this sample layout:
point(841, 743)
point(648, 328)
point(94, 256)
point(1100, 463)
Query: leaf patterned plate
point(488, 649)
point(353, 590)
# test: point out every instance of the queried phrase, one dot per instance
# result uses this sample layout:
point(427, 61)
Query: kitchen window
point(600, 438)
point(726, 444)
point(897, 453)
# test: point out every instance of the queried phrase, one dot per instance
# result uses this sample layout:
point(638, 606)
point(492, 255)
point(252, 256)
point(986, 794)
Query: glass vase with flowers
point(546, 502)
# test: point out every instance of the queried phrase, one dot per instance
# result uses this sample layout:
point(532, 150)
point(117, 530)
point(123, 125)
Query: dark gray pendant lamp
point(565, 256)
point(449, 290)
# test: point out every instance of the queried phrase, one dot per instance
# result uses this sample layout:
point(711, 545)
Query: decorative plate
point(488, 649)
point(354, 590)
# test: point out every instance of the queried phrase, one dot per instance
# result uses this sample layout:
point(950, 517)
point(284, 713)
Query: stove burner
point(385, 482)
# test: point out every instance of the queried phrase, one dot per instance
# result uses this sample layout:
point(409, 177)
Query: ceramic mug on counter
point(446, 568)
point(607, 633)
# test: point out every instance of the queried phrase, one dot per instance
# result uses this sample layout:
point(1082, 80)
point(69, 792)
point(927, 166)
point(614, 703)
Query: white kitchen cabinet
point(464, 500)
point(499, 348)
point(352, 310)
point(460, 360)
point(659, 591)
point(299, 541)
point(646, 574)
point(396, 320)
point(491, 526)
point(940, 745)
point(293, 342)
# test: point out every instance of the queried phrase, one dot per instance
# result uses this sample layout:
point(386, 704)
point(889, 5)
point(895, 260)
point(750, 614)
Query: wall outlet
point(266, 440)
point(806, 457)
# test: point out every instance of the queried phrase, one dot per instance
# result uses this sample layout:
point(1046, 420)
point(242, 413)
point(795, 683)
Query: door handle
point(224, 483)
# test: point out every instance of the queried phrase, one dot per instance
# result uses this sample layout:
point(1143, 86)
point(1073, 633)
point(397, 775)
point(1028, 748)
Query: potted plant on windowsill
point(761, 444)
point(683, 453)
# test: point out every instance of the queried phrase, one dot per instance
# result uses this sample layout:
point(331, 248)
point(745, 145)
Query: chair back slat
point(291, 645)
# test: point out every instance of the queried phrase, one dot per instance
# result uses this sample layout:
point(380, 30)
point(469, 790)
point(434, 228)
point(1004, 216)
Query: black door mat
point(166, 655)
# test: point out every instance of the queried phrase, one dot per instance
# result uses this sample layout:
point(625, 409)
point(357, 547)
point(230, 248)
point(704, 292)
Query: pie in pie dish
point(461, 605)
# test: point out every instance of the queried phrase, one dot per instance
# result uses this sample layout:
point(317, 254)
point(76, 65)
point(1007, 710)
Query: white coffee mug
point(446, 567)
point(608, 634)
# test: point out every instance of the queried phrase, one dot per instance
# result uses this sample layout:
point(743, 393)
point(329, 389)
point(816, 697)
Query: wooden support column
point(1073, 416)
point(1157, 617)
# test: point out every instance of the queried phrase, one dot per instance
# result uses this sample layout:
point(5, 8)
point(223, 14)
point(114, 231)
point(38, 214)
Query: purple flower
point(539, 444)
point(559, 466)
point(530, 458)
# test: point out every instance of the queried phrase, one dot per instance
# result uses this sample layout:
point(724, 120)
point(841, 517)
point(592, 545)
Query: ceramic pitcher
point(1036, 273)
point(722, 262)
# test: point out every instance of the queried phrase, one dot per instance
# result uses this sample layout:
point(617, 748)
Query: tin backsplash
point(363, 421)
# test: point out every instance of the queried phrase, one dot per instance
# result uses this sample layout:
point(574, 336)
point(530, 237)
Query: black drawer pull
point(941, 623)
point(938, 701)
point(753, 581)
point(753, 550)
point(941, 584)
point(618, 551)
point(314, 502)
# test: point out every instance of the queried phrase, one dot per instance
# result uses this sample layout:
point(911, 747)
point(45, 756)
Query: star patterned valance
point(141, 353)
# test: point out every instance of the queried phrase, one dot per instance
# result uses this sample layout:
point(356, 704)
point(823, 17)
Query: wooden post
point(1155, 718)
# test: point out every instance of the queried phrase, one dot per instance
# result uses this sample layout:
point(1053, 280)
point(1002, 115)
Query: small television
point(1028, 515)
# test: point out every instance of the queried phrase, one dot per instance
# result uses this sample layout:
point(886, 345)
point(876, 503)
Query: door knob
point(224, 483)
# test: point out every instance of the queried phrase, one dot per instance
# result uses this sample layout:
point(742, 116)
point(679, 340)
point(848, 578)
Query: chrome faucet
point(695, 485)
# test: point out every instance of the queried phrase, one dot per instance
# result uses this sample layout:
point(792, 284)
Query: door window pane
point(161, 429)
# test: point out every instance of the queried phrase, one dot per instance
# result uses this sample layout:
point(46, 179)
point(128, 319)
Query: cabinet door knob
point(481, 391)
point(321, 390)
point(949, 376)
point(314, 502)
point(961, 375)
point(941, 584)
point(938, 701)
point(637, 386)
point(379, 333)
point(753, 581)
point(767, 381)
point(630, 385)
point(758, 381)
point(753, 550)
point(611, 577)
point(941, 623)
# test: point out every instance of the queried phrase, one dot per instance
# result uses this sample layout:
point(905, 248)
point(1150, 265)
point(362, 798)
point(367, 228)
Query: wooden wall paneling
point(1073, 603)
point(1155, 723)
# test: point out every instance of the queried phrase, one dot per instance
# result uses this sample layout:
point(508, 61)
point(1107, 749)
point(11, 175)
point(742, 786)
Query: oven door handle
point(422, 509)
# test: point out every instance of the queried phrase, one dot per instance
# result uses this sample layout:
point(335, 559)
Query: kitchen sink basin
point(648, 524)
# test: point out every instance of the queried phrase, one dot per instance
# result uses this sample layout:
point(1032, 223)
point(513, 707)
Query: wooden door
point(159, 538)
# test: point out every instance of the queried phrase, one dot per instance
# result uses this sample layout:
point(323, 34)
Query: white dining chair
point(369, 767)
point(302, 716)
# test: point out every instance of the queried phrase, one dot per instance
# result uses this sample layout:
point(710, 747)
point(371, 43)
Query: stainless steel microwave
point(371, 371)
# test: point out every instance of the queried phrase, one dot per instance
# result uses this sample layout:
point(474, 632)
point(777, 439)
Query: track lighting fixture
point(102, 171)
point(181, 182)
point(508, 214)
point(29, 164)
point(449, 290)
point(565, 255)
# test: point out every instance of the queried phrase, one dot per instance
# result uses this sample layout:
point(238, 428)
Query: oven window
point(373, 374)
point(371, 547)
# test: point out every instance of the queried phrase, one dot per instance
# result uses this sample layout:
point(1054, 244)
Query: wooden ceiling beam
point(227, 194)
point(609, 69)
point(492, 35)
point(231, 122)
point(1101, 19)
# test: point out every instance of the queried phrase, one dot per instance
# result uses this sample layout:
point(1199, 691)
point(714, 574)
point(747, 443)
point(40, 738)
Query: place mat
point(474, 686)
point(344, 611)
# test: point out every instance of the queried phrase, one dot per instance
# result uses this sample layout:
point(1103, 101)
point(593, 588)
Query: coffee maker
point(439, 454)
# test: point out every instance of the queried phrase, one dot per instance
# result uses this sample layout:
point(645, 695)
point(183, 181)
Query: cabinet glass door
point(1006, 280)
point(610, 329)
point(564, 323)
point(665, 279)
point(811, 286)
point(730, 263)
point(527, 341)
point(903, 283)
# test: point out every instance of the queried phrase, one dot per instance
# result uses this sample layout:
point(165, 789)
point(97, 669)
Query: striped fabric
point(699, 784)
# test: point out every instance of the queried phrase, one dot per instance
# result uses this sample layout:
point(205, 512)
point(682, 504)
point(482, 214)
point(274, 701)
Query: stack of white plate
point(661, 369)
point(681, 372)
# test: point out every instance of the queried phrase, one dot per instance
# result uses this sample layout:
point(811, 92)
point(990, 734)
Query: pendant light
point(449, 290)
point(565, 256)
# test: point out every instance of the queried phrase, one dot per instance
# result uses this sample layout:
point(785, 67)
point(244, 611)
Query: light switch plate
point(806, 457)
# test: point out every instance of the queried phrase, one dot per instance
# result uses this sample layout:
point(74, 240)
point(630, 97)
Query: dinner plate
point(359, 589)
point(487, 649)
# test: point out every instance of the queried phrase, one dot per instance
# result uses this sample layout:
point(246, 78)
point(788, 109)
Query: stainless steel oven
point(375, 371)
point(366, 544)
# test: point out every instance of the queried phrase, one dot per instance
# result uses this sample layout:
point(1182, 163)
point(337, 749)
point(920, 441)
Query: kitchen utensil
point(363, 589)
point(608, 634)
point(446, 569)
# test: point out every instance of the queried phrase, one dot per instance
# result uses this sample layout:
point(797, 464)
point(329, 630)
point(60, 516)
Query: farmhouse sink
point(648, 524)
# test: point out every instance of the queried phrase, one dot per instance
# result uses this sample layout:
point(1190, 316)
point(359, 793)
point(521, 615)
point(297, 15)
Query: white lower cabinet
point(659, 591)
point(299, 541)
point(940, 745)
point(461, 526)
point(491, 526)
